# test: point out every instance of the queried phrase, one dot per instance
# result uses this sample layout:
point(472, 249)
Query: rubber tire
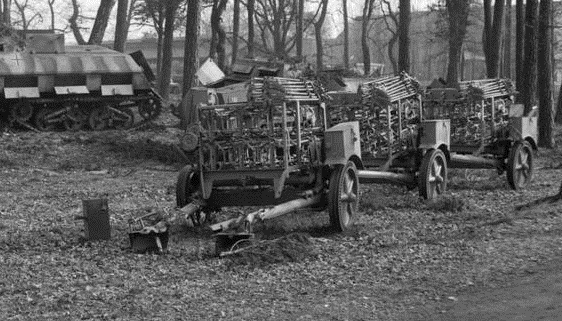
point(424, 181)
point(512, 177)
point(342, 216)
point(186, 185)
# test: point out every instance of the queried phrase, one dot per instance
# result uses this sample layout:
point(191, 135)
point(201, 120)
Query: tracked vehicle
point(46, 85)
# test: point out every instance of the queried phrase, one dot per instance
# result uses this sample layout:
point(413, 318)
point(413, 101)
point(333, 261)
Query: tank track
point(81, 113)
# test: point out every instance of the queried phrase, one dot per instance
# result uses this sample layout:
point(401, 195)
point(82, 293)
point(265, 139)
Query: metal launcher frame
point(389, 111)
point(267, 151)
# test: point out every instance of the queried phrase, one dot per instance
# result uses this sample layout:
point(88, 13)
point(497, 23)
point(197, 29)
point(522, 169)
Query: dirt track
point(534, 297)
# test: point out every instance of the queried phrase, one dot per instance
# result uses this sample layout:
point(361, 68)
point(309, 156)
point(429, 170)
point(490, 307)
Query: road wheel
point(22, 111)
point(433, 174)
point(343, 196)
point(150, 108)
point(124, 119)
point(99, 118)
point(75, 118)
point(42, 121)
point(187, 186)
point(520, 165)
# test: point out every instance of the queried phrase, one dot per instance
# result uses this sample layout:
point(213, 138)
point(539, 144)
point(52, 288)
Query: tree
point(318, 35)
point(529, 78)
point(51, 4)
point(218, 35)
point(5, 11)
point(23, 7)
point(507, 42)
point(190, 60)
point(393, 17)
point(275, 20)
point(404, 36)
point(492, 36)
point(519, 39)
point(121, 27)
point(544, 68)
point(368, 9)
point(458, 12)
point(345, 35)
point(235, 29)
point(250, 9)
point(100, 23)
point(299, 28)
point(166, 71)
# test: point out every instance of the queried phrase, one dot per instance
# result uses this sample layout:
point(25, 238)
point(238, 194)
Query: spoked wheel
point(433, 174)
point(187, 186)
point(99, 118)
point(343, 196)
point(122, 118)
point(520, 165)
point(75, 118)
point(42, 121)
point(150, 108)
point(21, 111)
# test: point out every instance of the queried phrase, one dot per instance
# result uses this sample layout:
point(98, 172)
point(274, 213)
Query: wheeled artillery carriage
point(283, 148)
point(488, 130)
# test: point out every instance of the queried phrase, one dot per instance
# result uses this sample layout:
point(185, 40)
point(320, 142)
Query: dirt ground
point(472, 255)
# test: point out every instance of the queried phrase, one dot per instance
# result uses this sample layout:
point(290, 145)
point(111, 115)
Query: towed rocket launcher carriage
point(488, 130)
point(286, 149)
point(45, 84)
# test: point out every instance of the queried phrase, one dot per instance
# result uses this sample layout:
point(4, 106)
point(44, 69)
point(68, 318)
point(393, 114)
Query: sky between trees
point(89, 8)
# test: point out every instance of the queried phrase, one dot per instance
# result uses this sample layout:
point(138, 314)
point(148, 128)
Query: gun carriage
point(488, 130)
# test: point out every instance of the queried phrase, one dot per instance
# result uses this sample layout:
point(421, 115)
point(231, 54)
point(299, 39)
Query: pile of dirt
point(295, 247)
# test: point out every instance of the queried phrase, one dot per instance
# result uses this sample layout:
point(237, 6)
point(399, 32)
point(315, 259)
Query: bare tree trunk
point(167, 51)
point(216, 50)
point(100, 24)
point(507, 42)
point(318, 34)
point(529, 87)
point(544, 67)
point(235, 30)
point(367, 13)
point(52, 12)
point(300, 29)
point(492, 36)
point(519, 47)
point(458, 11)
point(73, 21)
point(250, 7)
point(345, 35)
point(394, 35)
point(191, 59)
point(121, 27)
point(487, 30)
point(404, 37)
point(558, 118)
point(496, 38)
point(6, 13)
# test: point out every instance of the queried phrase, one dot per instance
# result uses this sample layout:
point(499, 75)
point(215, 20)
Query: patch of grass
point(147, 149)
